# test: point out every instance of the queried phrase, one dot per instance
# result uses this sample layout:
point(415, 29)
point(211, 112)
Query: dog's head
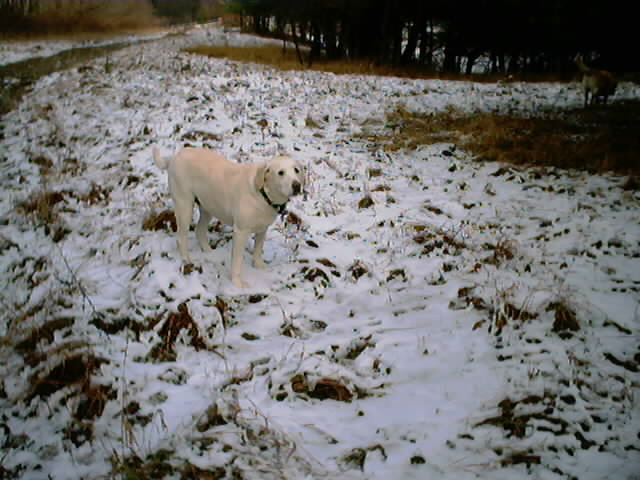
point(282, 177)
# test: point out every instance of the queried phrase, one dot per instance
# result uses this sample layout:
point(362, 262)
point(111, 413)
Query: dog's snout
point(297, 187)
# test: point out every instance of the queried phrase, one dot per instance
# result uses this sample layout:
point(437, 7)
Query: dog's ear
point(261, 173)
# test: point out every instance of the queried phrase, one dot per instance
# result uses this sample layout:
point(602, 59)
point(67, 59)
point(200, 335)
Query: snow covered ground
point(421, 316)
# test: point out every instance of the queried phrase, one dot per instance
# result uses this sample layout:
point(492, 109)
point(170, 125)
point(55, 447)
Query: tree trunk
point(294, 37)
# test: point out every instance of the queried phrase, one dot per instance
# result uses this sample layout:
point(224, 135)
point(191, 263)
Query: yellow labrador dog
point(247, 196)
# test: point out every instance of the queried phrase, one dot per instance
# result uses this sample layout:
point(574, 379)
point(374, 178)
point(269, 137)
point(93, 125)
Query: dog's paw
point(259, 263)
point(206, 248)
point(239, 283)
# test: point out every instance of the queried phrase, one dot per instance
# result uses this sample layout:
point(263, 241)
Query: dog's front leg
point(237, 250)
point(258, 262)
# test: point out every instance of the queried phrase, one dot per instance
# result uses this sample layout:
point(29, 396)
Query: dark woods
point(512, 36)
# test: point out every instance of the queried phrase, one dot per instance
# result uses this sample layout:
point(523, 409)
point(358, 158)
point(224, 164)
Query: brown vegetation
point(595, 140)
point(285, 58)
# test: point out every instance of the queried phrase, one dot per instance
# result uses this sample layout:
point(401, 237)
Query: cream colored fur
point(597, 84)
point(231, 193)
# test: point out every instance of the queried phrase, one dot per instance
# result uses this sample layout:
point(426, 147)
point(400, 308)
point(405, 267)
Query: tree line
point(453, 35)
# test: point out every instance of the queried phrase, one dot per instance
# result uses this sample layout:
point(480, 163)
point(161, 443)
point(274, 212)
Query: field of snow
point(422, 316)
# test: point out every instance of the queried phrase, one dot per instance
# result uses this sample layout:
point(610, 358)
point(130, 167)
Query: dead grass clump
point(173, 325)
point(74, 369)
point(466, 299)
point(165, 220)
point(358, 269)
point(632, 366)
point(432, 241)
point(225, 310)
point(155, 465)
point(323, 389)
point(46, 333)
point(516, 458)
point(212, 418)
point(164, 463)
point(594, 139)
point(516, 425)
point(502, 251)
point(508, 313)
point(96, 194)
point(565, 320)
point(112, 326)
point(366, 202)
point(41, 206)
point(358, 346)
point(311, 274)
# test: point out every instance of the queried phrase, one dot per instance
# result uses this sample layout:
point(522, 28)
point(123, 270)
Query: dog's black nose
point(296, 187)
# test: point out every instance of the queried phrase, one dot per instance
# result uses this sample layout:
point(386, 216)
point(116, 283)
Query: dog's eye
point(281, 172)
point(296, 169)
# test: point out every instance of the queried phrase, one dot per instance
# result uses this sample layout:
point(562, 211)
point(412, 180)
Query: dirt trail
point(16, 78)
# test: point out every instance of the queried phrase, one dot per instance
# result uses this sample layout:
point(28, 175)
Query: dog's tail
point(580, 63)
point(160, 161)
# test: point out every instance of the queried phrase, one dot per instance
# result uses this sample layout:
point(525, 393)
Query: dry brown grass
point(286, 59)
point(599, 139)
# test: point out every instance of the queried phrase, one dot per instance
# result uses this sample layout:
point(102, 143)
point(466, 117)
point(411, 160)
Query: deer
point(599, 84)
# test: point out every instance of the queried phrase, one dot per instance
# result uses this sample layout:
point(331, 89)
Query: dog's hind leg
point(184, 211)
point(202, 227)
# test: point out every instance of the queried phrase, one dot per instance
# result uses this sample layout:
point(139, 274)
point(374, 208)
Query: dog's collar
point(278, 208)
